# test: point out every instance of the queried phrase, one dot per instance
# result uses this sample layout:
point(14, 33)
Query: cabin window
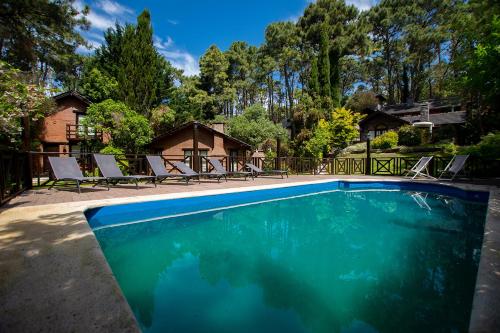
point(233, 160)
point(80, 118)
point(379, 130)
point(188, 160)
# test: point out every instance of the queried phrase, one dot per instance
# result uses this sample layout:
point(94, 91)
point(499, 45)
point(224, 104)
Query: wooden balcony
point(82, 133)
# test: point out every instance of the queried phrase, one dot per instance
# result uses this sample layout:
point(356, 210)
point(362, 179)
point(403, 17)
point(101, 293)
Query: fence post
point(28, 173)
point(368, 162)
point(196, 161)
point(278, 148)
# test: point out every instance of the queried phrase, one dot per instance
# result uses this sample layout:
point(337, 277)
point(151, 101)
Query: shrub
point(409, 136)
point(450, 148)
point(358, 147)
point(319, 143)
point(119, 156)
point(385, 141)
point(344, 127)
point(269, 159)
point(488, 147)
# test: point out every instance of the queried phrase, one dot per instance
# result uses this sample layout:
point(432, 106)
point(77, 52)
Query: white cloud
point(99, 22)
point(93, 35)
point(162, 45)
point(178, 58)
point(103, 15)
point(293, 18)
point(79, 5)
point(114, 8)
point(183, 60)
point(92, 45)
point(362, 4)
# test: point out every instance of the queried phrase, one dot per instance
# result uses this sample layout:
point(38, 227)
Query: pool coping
point(71, 313)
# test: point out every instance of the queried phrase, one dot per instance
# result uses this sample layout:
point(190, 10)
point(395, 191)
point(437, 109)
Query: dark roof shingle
point(457, 117)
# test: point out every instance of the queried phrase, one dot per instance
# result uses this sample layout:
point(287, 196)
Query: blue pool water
point(330, 257)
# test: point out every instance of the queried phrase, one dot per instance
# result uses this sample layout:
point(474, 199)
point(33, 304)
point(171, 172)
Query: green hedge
point(386, 140)
point(409, 136)
point(488, 147)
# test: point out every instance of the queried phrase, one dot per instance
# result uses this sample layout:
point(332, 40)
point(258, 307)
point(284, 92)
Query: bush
point(269, 159)
point(488, 147)
point(450, 148)
point(355, 148)
point(386, 140)
point(119, 156)
point(409, 136)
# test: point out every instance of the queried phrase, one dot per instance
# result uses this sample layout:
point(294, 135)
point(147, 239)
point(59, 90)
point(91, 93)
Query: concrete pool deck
point(54, 277)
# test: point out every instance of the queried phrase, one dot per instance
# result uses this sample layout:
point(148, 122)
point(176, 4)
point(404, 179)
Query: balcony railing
point(81, 132)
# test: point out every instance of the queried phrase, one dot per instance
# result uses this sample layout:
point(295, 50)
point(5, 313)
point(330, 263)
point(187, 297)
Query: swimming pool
point(335, 256)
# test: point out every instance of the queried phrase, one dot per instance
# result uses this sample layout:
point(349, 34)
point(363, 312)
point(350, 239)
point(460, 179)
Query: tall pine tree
point(139, 65)
point(314, 80)
point(324, 63)
point(335, 84)
point(345, 32)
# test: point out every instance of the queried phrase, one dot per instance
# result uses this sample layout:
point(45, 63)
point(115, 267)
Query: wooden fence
point(23, 170)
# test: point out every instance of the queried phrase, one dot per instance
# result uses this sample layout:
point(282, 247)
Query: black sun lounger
point(67, 169)
point(456, 165)
point(158, 167)
point(109, 169)
point(256, 171)
point(220, 169)
point(188, 171)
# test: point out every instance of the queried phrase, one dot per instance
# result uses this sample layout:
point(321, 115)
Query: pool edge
point(485, 316)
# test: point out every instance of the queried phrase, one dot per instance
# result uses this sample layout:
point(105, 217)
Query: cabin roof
point(72, 93)
point(190, 124)
point(382, 114)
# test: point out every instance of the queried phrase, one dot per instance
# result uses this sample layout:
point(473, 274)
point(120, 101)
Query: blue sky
point(184, 29)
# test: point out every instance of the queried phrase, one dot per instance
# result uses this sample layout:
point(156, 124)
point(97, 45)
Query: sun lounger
point(421, 199)
point(109, 169)
point(220, 169)
point(420, 169)
point(67, 169)
point(256, 171)
point(158, 167)
point(190, 172)
point(455, 166)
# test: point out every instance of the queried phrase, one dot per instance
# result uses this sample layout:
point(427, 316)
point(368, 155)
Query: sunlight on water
point(369, 261)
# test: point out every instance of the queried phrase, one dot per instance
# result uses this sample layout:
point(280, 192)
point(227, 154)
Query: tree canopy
point(304, 74)
point(254, 127)
point(128, 129)
point(41, 36)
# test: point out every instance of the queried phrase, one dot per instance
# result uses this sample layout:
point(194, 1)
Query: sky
point(185, 29)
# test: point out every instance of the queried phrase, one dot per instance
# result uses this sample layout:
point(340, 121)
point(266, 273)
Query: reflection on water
point(337, 262)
